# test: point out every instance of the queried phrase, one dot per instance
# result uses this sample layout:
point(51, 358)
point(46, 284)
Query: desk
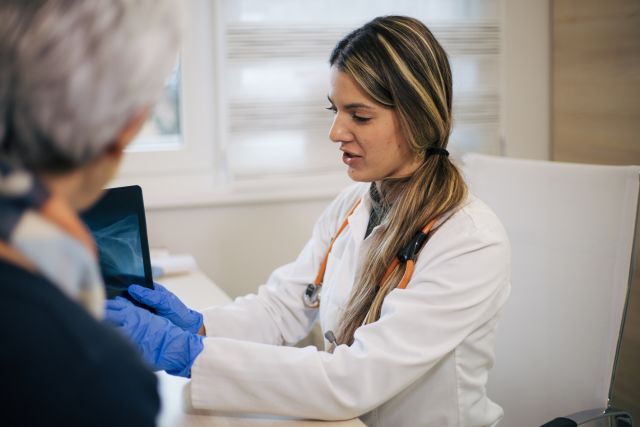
point(198, 292)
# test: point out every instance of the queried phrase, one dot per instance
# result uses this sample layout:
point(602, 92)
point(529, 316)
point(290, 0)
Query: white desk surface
point(198, 292)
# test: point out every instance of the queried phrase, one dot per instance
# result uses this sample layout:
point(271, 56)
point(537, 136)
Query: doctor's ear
point(128, 133)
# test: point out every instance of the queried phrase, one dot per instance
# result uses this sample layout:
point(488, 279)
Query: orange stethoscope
point(407, 255)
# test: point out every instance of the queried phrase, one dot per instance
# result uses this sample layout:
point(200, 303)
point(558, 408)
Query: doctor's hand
point(162, 344)
point(168, 305)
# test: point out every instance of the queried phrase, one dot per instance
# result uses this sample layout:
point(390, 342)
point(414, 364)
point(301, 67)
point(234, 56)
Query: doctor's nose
point(339, 132)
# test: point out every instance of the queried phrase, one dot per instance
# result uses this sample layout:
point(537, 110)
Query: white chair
point(571, 228)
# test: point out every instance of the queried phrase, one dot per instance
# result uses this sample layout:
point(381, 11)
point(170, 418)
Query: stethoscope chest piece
point(311, 296)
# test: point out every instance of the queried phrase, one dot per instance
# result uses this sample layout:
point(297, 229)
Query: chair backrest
point(571, 228)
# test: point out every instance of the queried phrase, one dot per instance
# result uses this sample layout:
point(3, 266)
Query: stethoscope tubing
point(408, 255)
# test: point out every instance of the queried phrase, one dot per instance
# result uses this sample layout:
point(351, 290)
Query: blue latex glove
point(167, 305)
point(164, 345)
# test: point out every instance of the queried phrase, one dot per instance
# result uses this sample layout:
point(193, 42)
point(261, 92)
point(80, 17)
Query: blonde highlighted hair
point(400, 65)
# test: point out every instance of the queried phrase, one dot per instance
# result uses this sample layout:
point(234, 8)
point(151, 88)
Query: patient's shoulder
point(65, 367)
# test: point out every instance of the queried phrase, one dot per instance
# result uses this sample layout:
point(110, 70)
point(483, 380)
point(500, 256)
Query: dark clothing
point(378, 209)
point(61, 367)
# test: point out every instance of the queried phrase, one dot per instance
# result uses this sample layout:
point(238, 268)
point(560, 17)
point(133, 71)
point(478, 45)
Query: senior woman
point(76, 82)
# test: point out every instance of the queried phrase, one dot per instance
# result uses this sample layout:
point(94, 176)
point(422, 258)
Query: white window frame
point(193, 154)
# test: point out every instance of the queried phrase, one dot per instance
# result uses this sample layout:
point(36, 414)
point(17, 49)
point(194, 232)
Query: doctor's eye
point(360, 119)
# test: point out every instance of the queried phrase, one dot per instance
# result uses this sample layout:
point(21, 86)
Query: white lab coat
point(423, 363)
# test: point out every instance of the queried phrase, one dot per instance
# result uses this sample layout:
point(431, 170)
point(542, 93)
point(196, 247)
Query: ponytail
point(435, 189)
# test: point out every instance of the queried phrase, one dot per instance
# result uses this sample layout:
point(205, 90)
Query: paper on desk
point(170, 265)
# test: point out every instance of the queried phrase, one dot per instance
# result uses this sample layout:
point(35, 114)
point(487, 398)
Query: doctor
point(413, 270)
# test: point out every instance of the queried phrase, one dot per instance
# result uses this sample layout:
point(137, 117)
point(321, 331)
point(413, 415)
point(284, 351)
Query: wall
point(596, 81)
point(236, 245)
point(526, 79)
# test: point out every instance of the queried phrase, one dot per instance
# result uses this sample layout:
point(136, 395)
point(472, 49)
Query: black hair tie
point(437, 151)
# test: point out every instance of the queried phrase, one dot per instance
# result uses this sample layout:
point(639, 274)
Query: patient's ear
point(129, 132)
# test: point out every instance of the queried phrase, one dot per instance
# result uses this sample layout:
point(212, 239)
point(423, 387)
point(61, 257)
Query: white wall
point(239, 245)
point(526, 79)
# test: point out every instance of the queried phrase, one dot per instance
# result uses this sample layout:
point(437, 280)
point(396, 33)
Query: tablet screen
point(118, 225)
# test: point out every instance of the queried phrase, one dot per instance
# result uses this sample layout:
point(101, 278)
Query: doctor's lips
point(348, 157)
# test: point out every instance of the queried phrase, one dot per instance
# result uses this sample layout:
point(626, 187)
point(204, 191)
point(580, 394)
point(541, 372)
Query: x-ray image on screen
point(120, 254)
point(118, 226)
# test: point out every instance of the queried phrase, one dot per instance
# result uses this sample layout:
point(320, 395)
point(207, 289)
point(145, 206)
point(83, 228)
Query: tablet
point(118, 225)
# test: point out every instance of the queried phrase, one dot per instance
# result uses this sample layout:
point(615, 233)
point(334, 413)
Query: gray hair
point(73, 73)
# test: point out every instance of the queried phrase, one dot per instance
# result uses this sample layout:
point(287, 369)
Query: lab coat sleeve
point(460, 283)
point(276, 314)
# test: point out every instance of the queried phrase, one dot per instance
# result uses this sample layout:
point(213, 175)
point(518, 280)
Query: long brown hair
point(400, 65)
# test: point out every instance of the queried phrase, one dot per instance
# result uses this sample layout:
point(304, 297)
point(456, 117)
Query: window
point(163, 129)
point(253, 77)
point(178, 139)
point(276, 70)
